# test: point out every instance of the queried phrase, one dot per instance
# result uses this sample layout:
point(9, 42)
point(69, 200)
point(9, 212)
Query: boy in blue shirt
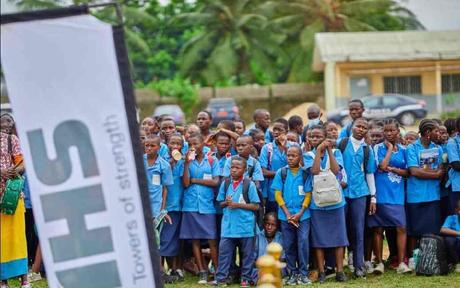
point(290, 185)
point(355, 110)
point(238, 222)
point(453, 154)
point(451, 231)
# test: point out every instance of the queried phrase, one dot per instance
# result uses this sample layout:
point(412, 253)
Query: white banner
point(71, 97)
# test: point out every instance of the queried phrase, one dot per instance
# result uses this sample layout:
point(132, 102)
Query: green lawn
point(389, 279)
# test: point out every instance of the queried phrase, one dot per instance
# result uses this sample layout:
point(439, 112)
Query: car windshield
point(166, 110)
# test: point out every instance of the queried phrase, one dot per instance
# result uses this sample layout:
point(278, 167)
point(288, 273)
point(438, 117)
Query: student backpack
point(343, 145)
point(326, 188)
point(284, 174)
point(432, 257)
point(246, 183)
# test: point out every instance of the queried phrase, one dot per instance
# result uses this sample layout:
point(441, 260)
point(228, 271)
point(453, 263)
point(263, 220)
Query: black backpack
point(284, 174)
point(259, 213)
point(432, 256)
point(343, 144)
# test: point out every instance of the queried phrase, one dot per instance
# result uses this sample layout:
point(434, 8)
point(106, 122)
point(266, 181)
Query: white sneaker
point(379, 269)
point(368, 267)
point(411, 264)
point(32, 277)
point(350, 262)
point(403, 268)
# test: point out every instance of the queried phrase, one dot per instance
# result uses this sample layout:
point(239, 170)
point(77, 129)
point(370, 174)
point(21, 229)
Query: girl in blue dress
point(389, 182)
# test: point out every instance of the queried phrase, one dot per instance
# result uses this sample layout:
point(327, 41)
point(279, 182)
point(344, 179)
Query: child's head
point(270, 224)
point(226, 124)
point(191, 129)
point(203, 120)
point(390, 130)
point(355, 109)
point(7, 123)
point(360, 128)
point(240, 126)
point(152, 145)
point(142, 136)
point(429, 129)
point(317, 135)
point(196, 142)
point(443, 135)
point(175, 142)
point(150, 126)
point(294, 156)
point(258, 138)
point(244, 146)
point(313, 114)
point(262, 118)
point(376, 135)
point(280, 128)
point(238, 167)
point(450, 126)
point(222, 143)
point(296, 124)
point(168, 127)
point(410, 137)
point(292, 136)
point(332, 130)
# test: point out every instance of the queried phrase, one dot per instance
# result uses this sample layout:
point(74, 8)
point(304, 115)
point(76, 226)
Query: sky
point(433, 14)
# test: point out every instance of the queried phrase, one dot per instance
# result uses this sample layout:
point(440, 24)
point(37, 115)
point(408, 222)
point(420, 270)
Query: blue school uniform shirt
point(452, 222)
point(423, 190)
point(345, 132)
point(164, 151)
point(272, 161)
point(262, 243)
point(389, 185)
point(200, 198)
point(158, 175)
point(293, 191)
point(238, 223)
point(251, 161)
point(353, 164)
point(308, 159)
point(453, 154)
point(176, 190)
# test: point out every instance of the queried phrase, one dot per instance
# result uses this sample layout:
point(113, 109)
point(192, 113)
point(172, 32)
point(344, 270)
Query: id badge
point(301, 192)
point(156, 179)
point(207, 176)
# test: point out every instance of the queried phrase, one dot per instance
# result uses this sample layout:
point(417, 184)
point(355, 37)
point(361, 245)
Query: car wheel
point(407, 119)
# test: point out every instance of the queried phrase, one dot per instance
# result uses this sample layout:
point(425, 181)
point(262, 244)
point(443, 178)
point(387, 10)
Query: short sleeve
point(15, 147)
point(277, 183)
point(453, 152)
point(263, 157)
point(253, 196)
point(215, 167)
point(308, 185)
point(257, 175)
point(371, 162)
point(308, 160)
point(448, 222)
point(221, 195)
point(412, 159)
point(166, 174)
point(164, 151)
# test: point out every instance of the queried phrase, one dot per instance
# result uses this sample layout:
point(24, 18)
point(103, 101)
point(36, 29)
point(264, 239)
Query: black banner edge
point(44, 14)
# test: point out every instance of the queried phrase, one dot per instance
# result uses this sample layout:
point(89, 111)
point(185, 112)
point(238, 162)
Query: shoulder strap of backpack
point(343, 144)
point(304, 175)
point(250, 170)
point(366, 158)
point(270, 154)
point(246, 184)
point(283, 174)
point(227, 184)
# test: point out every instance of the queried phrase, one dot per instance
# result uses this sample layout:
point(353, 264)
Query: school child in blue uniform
point(198, 211)
point(361, 184)
point(442, 139)
point(423, 186)
point(453, 154)
point(290, 186)
point(238, 222)
point(328, 226)
point(262, 119)
point(170, 244)
point(258, 138)
point(451, 232)
point(159, 176)
point(253, 171)
point(273, 157)
point(355, 110)
point(389, 182)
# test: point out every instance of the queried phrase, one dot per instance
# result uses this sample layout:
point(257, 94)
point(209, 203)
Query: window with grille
point(450, 83)
point(403, 84)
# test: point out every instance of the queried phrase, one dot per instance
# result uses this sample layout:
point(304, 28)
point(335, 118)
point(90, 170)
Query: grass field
point(389, 279)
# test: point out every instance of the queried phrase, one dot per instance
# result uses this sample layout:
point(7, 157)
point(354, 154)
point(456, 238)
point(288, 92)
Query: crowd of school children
point(215, 190)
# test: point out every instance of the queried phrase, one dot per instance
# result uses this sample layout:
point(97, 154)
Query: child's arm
point(450, 232)
point(386, 160)
point(245, 206)
point(186, 177)
point(279, 199)
point(163, 204)
point(230, 133)
point(335, 167)
point(426, 174)
point(305, 204)
point(214, 182)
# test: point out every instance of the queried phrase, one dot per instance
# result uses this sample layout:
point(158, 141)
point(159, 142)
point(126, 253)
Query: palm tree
point(232, 39)
point(301, 19)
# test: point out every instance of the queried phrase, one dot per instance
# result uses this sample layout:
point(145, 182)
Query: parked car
point(223, 109)
point(404, 108)
point(172, 110)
